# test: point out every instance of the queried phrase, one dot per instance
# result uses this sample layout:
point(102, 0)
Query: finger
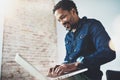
point(56, 70)
point(59, 69)
point(56, 67)
point(53, 70)
point(49, 73)
point(50, 70)
point(60, 72)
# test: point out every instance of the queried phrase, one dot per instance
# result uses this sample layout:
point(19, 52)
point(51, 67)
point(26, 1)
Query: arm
point(102, 42)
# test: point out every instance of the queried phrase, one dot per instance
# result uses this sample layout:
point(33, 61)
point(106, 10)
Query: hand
point(70, 67)
point(62, 69)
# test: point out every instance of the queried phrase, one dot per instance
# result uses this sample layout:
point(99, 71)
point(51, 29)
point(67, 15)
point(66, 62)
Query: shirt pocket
point(81, 36)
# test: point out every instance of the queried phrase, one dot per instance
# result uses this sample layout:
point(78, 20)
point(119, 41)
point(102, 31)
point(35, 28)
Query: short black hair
point(65, 5)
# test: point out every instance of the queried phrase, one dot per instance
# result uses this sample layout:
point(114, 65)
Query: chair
point(113, 75)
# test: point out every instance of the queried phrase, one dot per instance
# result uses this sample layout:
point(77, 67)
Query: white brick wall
point(29, 29)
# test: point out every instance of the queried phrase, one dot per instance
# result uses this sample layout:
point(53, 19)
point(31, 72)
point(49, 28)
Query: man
point(87, 43)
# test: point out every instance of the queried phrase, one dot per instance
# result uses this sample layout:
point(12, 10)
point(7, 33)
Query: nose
point(62, 22)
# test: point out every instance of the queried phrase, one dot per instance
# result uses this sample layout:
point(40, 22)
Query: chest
point(79, 42)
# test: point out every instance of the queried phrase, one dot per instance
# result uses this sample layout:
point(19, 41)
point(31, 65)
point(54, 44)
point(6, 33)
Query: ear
point(73, 11)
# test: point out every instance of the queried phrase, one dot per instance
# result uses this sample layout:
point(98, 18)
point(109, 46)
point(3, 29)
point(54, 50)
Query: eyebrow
point(61, 17)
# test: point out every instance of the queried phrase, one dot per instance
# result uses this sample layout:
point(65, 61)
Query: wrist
point(77, 64)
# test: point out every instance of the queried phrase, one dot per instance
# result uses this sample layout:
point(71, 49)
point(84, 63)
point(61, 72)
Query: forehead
point(59, 12)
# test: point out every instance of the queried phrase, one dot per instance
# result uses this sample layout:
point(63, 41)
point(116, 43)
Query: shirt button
point(67, 42)
point(75, 50)
point(82, 36)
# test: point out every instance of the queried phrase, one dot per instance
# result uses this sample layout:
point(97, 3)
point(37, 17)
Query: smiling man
point(88, 45)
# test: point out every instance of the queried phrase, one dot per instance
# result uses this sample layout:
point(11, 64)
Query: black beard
point(74, 26)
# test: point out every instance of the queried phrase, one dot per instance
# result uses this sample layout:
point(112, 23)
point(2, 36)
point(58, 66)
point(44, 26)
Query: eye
point(62, 17)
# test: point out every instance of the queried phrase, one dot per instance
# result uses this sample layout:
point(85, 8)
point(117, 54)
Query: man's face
point(65, 17)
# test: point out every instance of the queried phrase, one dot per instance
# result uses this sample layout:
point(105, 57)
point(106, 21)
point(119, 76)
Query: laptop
point(34, 72)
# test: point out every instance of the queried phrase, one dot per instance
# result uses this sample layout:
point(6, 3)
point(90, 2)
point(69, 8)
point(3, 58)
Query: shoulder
point(94, 24)
point(90, 20)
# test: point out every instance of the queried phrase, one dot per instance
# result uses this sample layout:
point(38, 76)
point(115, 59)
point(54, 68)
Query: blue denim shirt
point(91, 41)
